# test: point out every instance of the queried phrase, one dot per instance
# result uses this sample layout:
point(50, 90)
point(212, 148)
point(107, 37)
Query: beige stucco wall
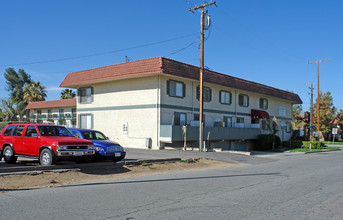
point(132, 102)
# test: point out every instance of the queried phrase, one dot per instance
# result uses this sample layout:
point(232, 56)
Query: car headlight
point(99, 149)
point(91, 147)
point(61, 147)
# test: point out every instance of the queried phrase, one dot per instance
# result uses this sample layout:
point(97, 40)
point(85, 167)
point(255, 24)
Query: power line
point(175, 52)
point(103, 53)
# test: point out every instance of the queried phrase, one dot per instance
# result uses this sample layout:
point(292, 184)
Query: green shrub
point(314, 144)
point(292, 143)
point(265, 142)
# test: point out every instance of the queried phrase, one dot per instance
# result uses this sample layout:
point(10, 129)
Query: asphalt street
point(288, 186)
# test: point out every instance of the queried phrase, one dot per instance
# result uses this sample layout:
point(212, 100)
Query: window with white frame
point(225, 97)
point(243, 100)
point(263, 103)
point(207, 94)
point(86, 121)
point(176, 89)
point(86, 95)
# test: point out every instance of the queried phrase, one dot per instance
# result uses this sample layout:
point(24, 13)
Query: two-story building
point(145, 103)
point(59, 112)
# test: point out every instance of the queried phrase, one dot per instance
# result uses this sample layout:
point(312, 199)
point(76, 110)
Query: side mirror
point(107, 138)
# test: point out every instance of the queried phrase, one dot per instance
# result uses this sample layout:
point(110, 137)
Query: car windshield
point(54, 131)
point(93, 135)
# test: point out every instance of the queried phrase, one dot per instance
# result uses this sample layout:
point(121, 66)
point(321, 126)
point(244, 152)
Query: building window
point(207, 94)
point(39, 112)
point(282, 110)
point(265, 124)
point(228, 122)
point(263, 103)
point(86, 121)
point(225, 97)
point(49, 111)
point(196, 118)
point(61, 111)
point(288, 127)
point(86, 95)
point(243, 100)
point(240, 120)
point(176, 89)
point(180, 118)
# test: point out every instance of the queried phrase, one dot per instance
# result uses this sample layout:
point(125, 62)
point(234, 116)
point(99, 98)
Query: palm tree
point(67, 94)
point(34, 92)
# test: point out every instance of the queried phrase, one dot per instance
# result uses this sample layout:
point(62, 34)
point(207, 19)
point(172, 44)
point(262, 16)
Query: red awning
point(259, 114)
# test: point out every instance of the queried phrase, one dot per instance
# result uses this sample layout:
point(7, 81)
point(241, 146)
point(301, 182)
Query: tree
point(327, 112)
point(296, 111)
point(67, 94)
point(34, 92)
point(15, 83)
point(11, 110)
point(2, 115)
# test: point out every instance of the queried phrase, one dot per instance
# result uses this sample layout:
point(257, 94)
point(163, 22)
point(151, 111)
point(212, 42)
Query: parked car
point(45, 142)
point(104, 148)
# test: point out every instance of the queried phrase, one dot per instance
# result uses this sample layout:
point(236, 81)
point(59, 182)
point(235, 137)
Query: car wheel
point(9, 155)
point(46, 158)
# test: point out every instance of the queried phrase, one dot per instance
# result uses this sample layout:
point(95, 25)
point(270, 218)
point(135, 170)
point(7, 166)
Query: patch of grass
point(308, 150)
point(184, 161)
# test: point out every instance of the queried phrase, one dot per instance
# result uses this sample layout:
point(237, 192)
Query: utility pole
point(201, 78)
point(311, 121)
point(318, 115)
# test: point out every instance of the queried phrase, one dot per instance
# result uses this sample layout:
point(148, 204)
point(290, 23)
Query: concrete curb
point(321, 151)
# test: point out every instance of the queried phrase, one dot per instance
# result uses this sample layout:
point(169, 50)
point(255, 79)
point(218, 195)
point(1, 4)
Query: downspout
point(158, 123)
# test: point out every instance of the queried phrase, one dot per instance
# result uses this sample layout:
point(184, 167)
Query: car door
point(18, 139)
point(31, 141)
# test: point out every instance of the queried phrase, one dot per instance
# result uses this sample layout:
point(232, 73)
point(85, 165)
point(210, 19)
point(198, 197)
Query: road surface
point(291, 186)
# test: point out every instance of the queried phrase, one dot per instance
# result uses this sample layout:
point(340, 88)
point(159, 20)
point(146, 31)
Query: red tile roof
point(52, 104)
point(161, 65)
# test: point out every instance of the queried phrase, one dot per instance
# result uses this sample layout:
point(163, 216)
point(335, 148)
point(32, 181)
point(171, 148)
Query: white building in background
point(59, 112)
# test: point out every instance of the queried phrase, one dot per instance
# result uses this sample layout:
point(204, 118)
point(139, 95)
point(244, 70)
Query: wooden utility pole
point(318, 115)
point(201, 78)
point(311, 122)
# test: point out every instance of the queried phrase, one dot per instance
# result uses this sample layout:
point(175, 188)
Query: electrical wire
point(175, 52)
point(102, 53)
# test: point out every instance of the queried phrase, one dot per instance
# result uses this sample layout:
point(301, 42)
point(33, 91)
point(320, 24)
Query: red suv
point(46, 142)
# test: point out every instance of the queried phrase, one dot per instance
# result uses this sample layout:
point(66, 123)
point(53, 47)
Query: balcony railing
point(40, 117)
point(169, 133)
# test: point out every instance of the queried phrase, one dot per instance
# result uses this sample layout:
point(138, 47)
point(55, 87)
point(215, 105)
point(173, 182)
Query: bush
point(265, 142)
point(292, 144)
point(314, 144)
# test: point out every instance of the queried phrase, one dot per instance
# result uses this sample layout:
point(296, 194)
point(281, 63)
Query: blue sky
point(265, 41)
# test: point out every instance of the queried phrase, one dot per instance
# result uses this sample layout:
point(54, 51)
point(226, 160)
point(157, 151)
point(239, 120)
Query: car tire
point(8, 155)
point(46, 158)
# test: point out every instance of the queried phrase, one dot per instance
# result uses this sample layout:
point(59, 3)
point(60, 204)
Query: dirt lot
point(57, 178)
